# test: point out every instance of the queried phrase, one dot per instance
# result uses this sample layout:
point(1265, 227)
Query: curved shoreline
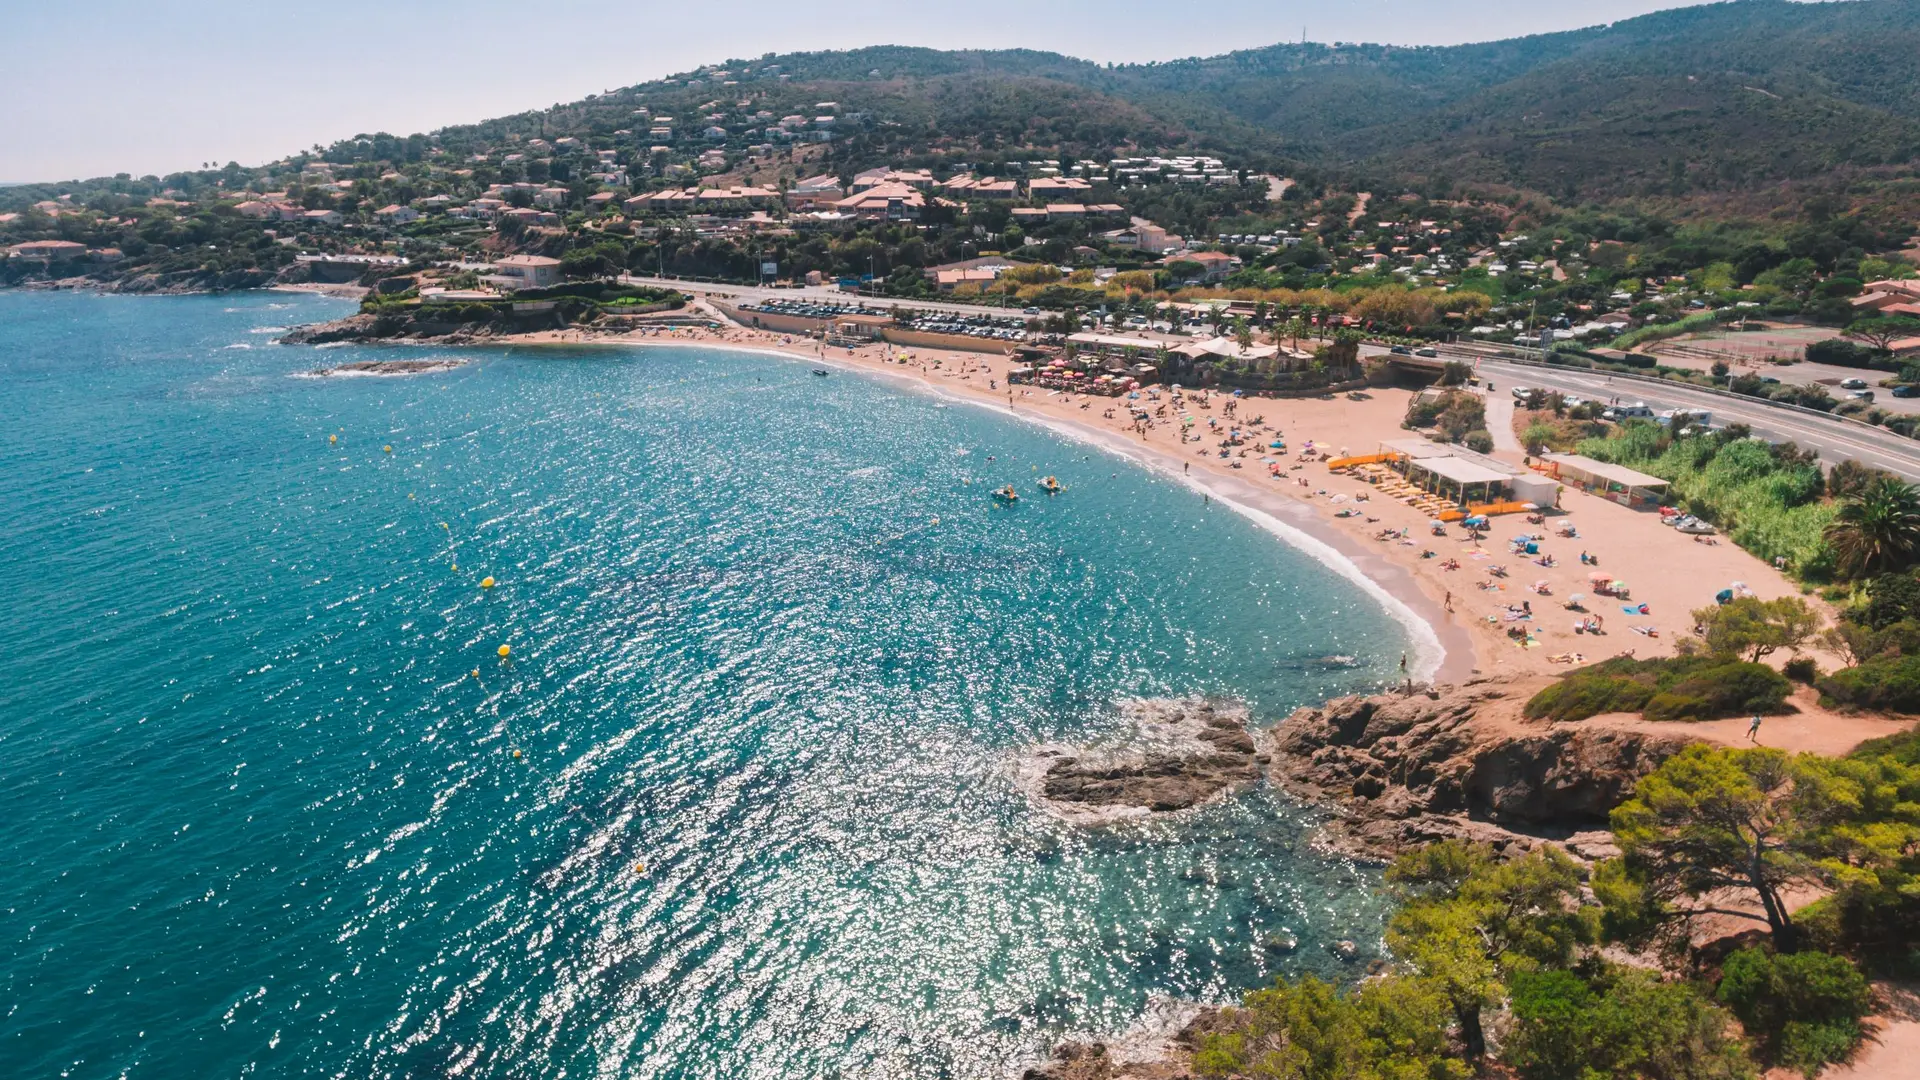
point(1441, 649)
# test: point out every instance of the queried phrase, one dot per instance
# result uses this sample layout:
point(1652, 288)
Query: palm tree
point(1878, 528)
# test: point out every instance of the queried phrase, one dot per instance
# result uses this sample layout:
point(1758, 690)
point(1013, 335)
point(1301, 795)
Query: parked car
point(1428, 351)
point(1400, 350)
point(1906, 390)
point(1853, 384)
point(1522, 393)
point(1860, 395)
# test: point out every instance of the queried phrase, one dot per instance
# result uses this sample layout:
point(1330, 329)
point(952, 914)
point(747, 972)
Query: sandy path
point(1500, 424)
point(1892, 1050)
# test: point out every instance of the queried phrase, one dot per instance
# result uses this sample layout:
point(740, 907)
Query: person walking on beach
point(1753, 729)
point(1448, 603)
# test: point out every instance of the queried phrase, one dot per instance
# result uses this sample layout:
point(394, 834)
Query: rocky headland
point(1394, 770)
point(1406, 769)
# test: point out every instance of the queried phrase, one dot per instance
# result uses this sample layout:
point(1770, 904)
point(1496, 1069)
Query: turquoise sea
point(738, 804)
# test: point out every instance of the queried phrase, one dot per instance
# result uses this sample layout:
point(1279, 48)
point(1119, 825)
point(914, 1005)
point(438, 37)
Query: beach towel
point(1635, 609)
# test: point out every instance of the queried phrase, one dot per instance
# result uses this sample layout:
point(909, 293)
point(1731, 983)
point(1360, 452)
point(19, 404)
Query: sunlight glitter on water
point(761, 821)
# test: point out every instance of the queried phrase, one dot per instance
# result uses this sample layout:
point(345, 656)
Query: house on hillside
point(1215, 265)
point(524, 272)
point(50, 250)
point(884, 202)
point(736, 197)
point(815, 192)
point(397, 214)
point(322, 217)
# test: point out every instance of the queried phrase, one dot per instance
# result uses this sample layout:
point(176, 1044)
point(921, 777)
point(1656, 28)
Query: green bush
point(1804, 1008)
point(1678, 688)
point(1891, 683)
point(1480, 441)
point(1802, 669)
point(1721, 690)
point(1589, 693)
point(1843, 353)
point(1629, 1023)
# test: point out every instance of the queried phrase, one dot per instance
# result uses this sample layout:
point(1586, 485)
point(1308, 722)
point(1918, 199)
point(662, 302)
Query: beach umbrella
point(1597, 576)
point(1574, 598)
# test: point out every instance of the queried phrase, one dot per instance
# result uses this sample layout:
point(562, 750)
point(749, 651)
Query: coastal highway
point(1832, 438)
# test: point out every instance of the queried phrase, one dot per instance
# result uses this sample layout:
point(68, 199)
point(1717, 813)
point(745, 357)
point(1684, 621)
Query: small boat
point(1052, 485)
point(1007, 494)
point(820, 371)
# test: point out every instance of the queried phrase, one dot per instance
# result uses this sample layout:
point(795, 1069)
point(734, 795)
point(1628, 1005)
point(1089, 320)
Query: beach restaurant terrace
point(1453, 471)
point(1625, 486)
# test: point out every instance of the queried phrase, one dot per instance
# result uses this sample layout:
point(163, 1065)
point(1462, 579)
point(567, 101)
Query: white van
point(1636, 411)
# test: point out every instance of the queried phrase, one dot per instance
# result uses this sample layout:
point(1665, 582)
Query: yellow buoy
point(446, 526)
point(639, 868)
point(409, 494)
point(505, 651)
point(387, 449)
point(476, 673)
point(936, 521)
point(516, 753)
point(486, 583)
point(333, 438)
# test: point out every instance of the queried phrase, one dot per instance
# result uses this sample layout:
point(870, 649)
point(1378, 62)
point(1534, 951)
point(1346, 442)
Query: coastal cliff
point(1406, 769)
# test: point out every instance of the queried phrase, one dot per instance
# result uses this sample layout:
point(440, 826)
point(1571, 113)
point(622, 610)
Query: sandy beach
point(1446, 583)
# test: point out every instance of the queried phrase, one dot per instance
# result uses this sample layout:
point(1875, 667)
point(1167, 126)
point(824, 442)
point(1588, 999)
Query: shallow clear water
point(260, 817)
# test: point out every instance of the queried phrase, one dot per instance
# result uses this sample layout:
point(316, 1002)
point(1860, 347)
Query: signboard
point(769, 269)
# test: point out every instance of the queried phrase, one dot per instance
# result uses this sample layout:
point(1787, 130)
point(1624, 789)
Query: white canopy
point(1462, 472)
point(1600, 470)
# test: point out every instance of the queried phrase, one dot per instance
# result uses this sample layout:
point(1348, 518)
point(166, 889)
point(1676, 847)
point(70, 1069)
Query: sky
point(134, 86)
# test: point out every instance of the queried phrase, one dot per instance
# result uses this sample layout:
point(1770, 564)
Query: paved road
point(1835, 440)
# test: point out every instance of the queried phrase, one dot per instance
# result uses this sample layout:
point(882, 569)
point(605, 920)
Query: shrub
point(1679, 688)
point(1629, 1023)
point(1804, 1008)
point(1841, 352)
point(1722, 690)
point(1889, 682)
point(1802, 669)
point(1480, 441)
point(1589, 693)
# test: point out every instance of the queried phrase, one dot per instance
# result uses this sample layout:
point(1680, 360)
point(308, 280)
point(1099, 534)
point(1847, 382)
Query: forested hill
point(1685, 102)
point(1732, 109)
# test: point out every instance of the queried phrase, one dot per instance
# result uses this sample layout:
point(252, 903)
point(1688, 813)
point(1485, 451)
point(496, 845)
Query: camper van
point(1636, 411)
point(1683, 418)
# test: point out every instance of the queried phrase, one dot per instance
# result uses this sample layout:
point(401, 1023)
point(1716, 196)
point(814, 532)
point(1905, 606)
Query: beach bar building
point(1625, 486)
point(1454, 472)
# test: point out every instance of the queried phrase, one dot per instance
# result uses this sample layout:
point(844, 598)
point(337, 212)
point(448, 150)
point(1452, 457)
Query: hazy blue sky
point(137, 86)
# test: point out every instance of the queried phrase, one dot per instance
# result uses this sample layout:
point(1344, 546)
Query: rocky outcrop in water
point(1177, 754)
point(1409, 769)
point(389, 367)
point(1158, 1047)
